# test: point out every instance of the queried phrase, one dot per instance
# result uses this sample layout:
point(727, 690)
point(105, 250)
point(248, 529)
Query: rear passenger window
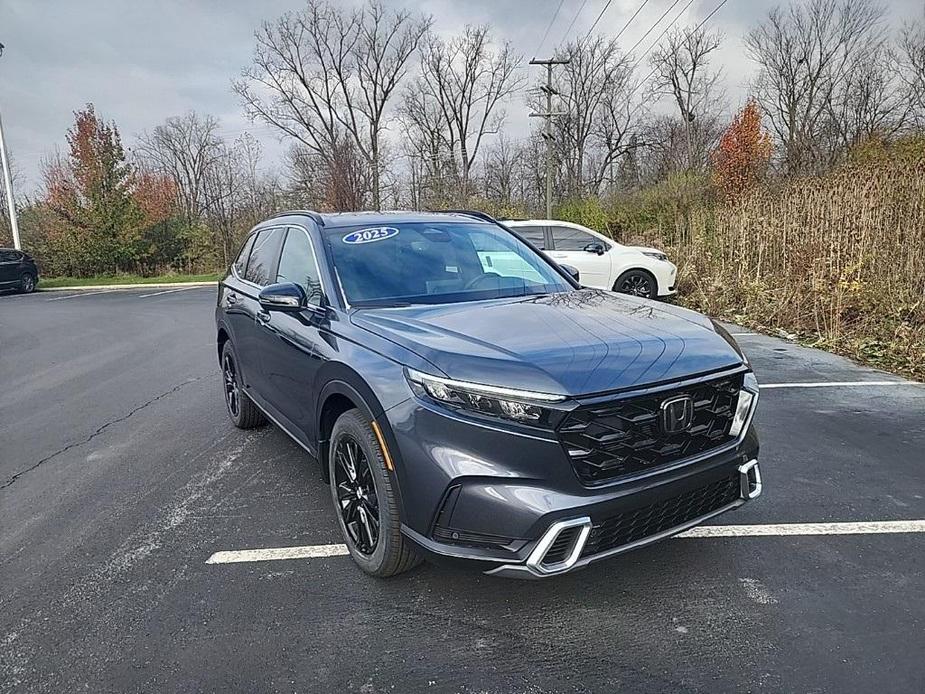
point(261, 268)
point(297, 264)
point(240, 265)
point(535, 235)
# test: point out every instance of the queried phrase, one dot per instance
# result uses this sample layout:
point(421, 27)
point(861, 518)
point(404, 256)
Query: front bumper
point(538, 566)
point(503, 501)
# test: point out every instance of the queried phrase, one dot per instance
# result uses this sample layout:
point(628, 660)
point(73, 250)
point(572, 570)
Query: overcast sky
point(141, 61)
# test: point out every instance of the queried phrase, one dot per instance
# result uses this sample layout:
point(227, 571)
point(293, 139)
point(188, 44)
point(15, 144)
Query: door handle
point(232, 298)
point(263, 317)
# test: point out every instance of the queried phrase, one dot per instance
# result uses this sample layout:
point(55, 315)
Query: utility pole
point(548, 115)
point(8, 185)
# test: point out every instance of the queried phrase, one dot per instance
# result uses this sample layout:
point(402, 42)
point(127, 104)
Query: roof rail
point(316, 218)
point(471, 213)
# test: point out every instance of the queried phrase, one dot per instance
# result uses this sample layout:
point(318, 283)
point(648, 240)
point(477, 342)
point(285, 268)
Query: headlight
point(656, 255)
point(517, 405)
point(745, 406)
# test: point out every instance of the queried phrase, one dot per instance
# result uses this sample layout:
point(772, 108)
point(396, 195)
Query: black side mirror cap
point(571, 270)
point(596, 247)
point(284, 296)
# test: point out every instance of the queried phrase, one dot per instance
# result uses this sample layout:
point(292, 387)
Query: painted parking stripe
point(791, 529)
point(274, 553)
point(166, 291)
point(839, 384)
point(74, 296)
point(704, 531)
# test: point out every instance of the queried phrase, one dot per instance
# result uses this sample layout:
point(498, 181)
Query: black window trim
point(311, 244)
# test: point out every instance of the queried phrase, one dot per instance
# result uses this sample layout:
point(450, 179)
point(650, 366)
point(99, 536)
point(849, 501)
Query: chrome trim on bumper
point(750, 488)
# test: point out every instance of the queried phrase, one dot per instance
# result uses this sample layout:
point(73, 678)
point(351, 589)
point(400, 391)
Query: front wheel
point(367, 507)
point(27, 283)
point(637, 283)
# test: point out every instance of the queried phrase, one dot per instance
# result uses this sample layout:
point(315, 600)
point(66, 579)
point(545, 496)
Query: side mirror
point(285, 296)
point(595, 247)
point(571, 270)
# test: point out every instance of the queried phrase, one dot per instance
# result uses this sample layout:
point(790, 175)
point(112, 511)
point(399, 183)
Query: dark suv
point(469, 400)
point(17, 270)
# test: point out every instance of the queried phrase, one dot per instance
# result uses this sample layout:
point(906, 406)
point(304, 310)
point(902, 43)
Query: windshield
point(436, 263)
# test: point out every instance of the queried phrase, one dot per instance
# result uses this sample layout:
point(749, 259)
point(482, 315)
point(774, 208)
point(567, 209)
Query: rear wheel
point(366, 504)
point(27, 283)
point(637, 283)
point(244, 413)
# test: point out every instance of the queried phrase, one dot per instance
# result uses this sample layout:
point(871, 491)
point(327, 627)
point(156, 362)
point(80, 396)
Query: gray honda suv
point(468, 400)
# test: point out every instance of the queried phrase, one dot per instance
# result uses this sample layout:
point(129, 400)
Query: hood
point(576, 343)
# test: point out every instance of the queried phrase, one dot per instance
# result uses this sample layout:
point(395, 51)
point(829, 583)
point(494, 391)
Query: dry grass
point(837, 260)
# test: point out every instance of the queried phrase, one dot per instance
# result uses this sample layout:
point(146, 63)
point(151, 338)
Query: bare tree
point(184, 148)
point(468, 81)
point(595, 88)
point(912, 66)
point(681, 67)
point(429, 145)
point(869, 101)
point(326, 76)
point(804, 53)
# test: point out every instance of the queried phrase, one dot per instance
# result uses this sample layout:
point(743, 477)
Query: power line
point(651, 28)
point(664, 31)
point(572, 23)
point(599, 17)
point(655, 69)
point(630, 20)
point(548, 27)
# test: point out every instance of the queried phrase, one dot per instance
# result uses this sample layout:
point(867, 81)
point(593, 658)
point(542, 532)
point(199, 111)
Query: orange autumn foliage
point(743, 153)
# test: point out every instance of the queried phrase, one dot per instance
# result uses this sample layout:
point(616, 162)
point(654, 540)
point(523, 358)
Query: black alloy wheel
point(357, 500)
point(232, 390)
point(636, 283)
point(27, 283)
point(243, 412)
point(364, 491)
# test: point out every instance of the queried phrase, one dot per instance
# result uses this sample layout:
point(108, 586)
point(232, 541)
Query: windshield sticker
point(370, 235)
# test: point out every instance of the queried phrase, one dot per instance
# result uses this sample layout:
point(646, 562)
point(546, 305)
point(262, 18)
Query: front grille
point(621, 437)
point(625, 528)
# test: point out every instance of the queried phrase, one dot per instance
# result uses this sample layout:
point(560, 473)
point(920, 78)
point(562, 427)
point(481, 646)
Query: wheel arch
point(221, 338)
point(346, 391)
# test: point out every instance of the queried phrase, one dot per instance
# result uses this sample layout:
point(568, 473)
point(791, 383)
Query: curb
point(142, 285)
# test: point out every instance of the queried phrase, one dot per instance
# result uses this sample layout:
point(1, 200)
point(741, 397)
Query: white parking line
point(704, 531)
point(839, 384)
point(274, 553)
point(74, 296)
point(166, 291)
point(789, 529)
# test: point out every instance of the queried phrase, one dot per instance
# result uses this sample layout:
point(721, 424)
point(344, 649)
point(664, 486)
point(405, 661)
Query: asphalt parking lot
point(120, 476)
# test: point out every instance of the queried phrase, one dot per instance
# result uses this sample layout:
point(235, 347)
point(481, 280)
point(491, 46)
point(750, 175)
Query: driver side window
point(297, 264)
point(568, 239)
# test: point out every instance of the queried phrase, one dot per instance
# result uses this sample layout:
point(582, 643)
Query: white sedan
point(602, 262)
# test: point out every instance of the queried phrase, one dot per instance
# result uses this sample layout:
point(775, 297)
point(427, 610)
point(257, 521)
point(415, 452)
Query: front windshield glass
point(436, 263)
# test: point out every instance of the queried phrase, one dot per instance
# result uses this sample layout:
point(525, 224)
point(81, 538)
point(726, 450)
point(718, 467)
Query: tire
point(390, 554)
point(243, 413)
point(27, 283)
point(639, 283)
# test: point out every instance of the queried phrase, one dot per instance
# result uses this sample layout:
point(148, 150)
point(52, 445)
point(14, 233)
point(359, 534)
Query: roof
point(342, 219)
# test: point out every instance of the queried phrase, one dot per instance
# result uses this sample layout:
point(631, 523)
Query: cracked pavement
point(122, 475)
